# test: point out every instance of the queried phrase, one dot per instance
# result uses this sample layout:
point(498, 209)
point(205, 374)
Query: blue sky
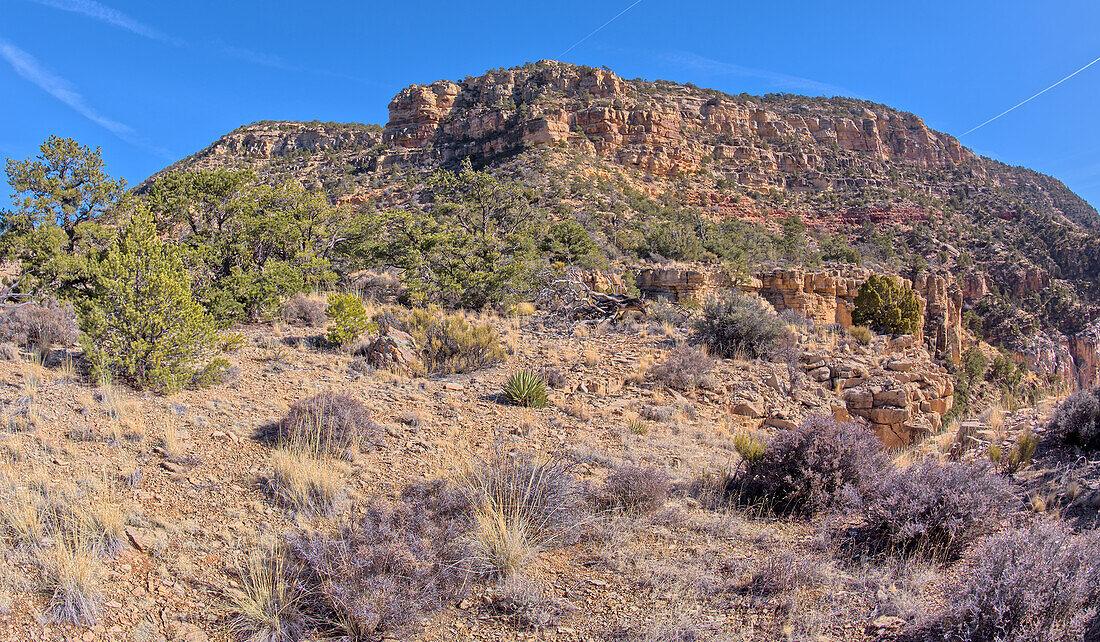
point(152, 82)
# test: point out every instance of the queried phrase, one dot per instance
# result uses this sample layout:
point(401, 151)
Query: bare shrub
point(41, 325)
point(304, 310)
point(524, 604)
point(782, 572)
point(327, 423)
point(821, 465)
point(1040, 583)
point(633, 489)
point(685, 368)
point(1077, 421)
point(384, 570)
point(935, 507)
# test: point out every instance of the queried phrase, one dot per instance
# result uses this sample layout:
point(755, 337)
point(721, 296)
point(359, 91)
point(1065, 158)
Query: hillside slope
point(604, 150)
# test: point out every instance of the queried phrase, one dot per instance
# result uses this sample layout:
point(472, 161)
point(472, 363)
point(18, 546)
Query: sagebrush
point(1077, 421)
point(818, 466)
point(1040, 583)
point(739, 326)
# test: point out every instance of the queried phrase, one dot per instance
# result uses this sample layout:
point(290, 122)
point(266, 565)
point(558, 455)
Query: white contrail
point(594, 31)
point(1022, 102)
point(103, 13)
point(26, 66)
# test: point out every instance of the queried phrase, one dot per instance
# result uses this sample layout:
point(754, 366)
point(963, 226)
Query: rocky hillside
point(601, 149)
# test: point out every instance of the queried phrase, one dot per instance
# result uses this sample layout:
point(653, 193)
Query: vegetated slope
point(601, 149)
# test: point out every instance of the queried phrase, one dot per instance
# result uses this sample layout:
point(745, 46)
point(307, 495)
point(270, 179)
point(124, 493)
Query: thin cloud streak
point(713, 67)
point(103, 13)
point(1029, 99)
point(26, 66)
point(597, 29)
point(111, 16)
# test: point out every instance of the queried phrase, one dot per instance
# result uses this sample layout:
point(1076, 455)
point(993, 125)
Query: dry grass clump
point(1040, 583)
point(518, 506)
point(265, 607)
point(821, 465)
point(73, 580)
point(102, 524)
point(305, 484)
point(861, 333)
point(42, 325)
point(330, 423)
point(23, 516)
point(935, 508)
point(686, 368)
point(633, 489)
point(303, 310)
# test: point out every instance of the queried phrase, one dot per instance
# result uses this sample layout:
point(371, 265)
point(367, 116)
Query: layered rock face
point(825, 297)
point(660, 128)
point(287, 138)
point(903, 395)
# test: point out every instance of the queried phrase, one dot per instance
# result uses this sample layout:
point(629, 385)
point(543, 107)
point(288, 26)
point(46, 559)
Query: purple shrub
point(686, 368)
point(935, 507)
point(1077, 422)
point(633, 489)
point(1038, 584)
point(327, 422)
point(382, 572)
point(819, 466)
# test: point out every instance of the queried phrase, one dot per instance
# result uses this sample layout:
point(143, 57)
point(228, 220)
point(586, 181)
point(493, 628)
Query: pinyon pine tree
point(144, 325)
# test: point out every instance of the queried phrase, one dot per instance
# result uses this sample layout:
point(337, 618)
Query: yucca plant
point(525, 388)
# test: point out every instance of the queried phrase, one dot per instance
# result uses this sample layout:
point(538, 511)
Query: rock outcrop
point(824, 297)
point(899, 391)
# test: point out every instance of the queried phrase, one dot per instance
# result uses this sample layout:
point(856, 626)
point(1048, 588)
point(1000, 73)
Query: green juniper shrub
point(248, 245)
point(143, 325)
point(348, 319)
point(474, 246)
point(886, 305)
point(974, 364)
point(61, 221)
point(569, 243)
point(1004, 371)
point(736, 325)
